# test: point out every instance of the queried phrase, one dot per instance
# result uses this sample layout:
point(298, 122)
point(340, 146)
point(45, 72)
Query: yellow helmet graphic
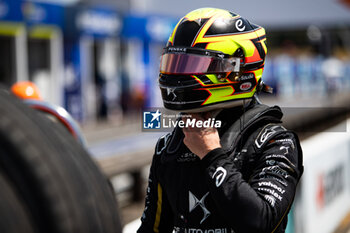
point(213, 59)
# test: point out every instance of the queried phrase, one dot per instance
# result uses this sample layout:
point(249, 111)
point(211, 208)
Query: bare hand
point(201, 141)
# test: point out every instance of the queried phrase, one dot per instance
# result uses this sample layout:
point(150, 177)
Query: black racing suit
point(248, 185)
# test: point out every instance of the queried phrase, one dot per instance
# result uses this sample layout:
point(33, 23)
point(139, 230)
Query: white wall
point(324, 197)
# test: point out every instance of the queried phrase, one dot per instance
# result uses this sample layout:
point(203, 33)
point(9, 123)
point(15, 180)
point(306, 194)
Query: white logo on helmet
point(220, 175)
point(171, 91)
point(239, 24)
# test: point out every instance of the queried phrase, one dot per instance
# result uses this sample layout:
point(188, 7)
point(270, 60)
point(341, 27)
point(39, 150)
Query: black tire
point(13, 215)
point(62, 187)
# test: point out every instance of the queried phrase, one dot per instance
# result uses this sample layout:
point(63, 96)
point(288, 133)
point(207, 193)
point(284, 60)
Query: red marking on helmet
point(245, 86)
point(255, 58)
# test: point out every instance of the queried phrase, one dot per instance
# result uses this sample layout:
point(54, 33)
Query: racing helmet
point(213, 59)
point(26, 90)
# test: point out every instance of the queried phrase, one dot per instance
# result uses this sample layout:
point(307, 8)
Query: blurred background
point(99, 59)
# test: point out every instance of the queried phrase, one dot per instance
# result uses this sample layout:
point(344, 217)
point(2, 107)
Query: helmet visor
point(185, 63)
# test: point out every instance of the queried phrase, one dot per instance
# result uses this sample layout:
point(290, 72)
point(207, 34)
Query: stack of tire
point(48, 182)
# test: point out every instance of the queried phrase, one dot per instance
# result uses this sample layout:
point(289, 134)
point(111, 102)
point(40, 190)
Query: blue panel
point(97, 22)
point(134, 27)
point(43, 13)
point(158, 29)
point(73, 81)
point(10, 10)
point(151, 28)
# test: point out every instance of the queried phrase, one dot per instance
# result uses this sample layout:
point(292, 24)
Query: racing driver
point(240, 177)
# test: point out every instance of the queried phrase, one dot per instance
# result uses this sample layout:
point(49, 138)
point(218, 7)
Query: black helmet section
point(187, 31)
point(181, 92)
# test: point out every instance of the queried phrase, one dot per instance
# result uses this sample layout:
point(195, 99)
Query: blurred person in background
point(241, 176)
point(102, 107)
point(285, 62)
point(333, 71)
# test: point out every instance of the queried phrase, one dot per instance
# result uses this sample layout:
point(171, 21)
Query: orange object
point(26, 90)
point(345, 2)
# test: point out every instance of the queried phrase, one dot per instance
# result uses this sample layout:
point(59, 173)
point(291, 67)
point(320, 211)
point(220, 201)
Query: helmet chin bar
point(187, 93)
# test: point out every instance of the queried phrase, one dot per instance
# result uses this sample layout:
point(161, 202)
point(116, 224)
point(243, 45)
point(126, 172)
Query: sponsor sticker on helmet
point(245, 86)
point(240, 25)
point(248, 76)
